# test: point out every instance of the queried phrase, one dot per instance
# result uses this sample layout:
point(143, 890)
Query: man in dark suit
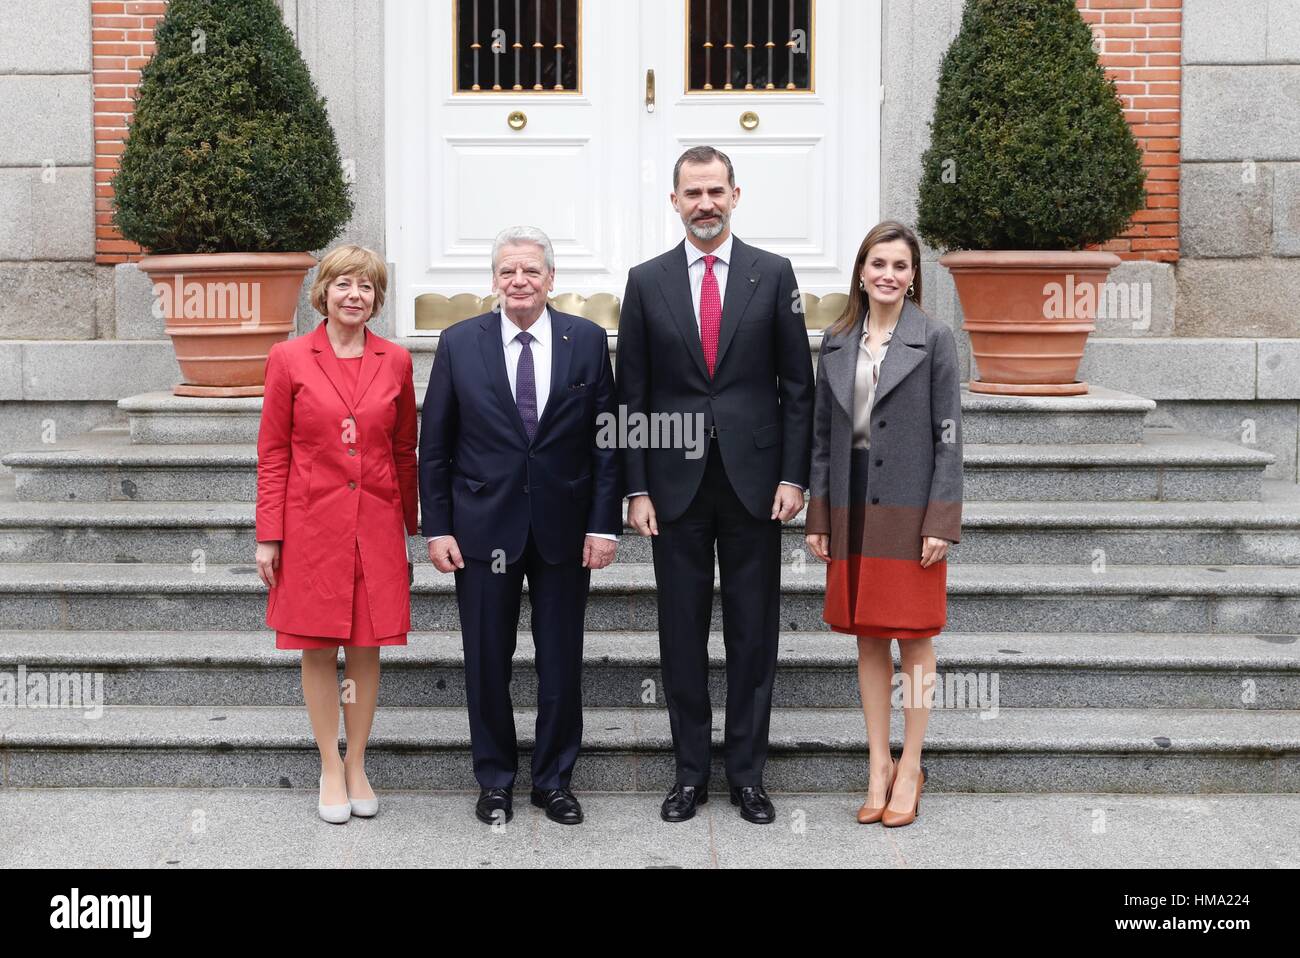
point(713, 329)
point(513, 484)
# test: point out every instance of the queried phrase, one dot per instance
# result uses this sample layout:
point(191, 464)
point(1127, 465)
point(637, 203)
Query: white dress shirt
point(695, 269)
point(541, 348)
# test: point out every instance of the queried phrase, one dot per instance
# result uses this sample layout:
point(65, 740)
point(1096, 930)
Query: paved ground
point(205, 828)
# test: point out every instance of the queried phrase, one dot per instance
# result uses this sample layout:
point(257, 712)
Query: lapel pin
point(566, 339)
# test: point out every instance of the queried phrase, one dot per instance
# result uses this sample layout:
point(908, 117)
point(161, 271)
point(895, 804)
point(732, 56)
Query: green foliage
point(1029, 147)
point(230, 149)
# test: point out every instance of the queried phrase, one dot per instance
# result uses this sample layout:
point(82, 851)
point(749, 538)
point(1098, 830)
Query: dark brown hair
point(885, 232)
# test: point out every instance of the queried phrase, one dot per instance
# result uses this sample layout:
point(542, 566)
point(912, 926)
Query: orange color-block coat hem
point(336, 472)
point(886, 598)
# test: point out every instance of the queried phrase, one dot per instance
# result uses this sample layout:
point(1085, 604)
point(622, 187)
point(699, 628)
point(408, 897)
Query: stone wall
point(48, 283)
point(1240, 273)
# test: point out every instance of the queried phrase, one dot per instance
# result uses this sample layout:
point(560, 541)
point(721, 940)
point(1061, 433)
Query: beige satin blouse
point(866, 376)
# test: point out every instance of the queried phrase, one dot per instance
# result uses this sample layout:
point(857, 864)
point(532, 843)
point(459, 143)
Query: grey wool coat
point(915, 467)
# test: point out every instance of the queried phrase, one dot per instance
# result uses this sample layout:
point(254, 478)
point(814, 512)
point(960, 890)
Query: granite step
point(1166, 466)
point(1152, 751)
point(104, 465)
point(981, 598)
point(1102, 416)
point(1057, 533)
point(621, 669)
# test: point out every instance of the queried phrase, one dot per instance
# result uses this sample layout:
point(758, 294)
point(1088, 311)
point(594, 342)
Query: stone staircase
point(1123, 613)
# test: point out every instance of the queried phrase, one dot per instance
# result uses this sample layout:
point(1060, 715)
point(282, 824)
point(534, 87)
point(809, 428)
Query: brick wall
point(122, 43)
point(1141, 46)
point(1140, 43)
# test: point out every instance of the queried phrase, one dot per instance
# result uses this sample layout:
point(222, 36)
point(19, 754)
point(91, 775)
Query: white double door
point(592, 167)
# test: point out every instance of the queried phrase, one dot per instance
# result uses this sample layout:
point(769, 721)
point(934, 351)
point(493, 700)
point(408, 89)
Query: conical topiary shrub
point(1030, 161)
point(1029, 147)
point(230, 176)
point(230, 149)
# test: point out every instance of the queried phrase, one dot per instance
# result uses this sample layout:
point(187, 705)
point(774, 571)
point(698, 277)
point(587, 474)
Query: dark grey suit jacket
point(760, 397)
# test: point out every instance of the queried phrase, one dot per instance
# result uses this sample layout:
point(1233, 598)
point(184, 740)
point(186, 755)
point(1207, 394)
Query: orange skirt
point(363, 633)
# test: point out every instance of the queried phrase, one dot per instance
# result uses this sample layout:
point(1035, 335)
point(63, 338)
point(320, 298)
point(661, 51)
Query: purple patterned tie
point(526, 386)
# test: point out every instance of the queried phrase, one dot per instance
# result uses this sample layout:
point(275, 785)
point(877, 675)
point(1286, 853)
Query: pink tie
point(710, 314)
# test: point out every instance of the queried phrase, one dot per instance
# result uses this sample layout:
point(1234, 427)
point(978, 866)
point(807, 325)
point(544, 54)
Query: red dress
point(363, 631)
point(338, 488)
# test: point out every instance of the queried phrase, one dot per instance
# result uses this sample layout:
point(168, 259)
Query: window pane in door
point(749, 45)
point(517, 46)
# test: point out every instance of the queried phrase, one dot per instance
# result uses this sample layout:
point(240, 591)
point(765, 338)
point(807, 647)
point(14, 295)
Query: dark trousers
point(489, 619)
point(749, 562)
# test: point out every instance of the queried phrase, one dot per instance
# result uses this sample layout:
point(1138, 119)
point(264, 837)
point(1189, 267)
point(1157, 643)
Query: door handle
point(649, 91)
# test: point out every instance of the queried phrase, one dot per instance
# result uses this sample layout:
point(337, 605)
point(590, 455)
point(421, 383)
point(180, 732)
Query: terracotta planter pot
point(224, 312)
point(1029, 315)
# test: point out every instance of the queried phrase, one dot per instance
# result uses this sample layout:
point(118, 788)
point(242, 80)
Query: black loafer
point(560, 805)
point(754, 804)
point(681, 801)
point(492, 804)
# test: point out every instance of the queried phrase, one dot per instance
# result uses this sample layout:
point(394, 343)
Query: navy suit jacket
point(482, 481)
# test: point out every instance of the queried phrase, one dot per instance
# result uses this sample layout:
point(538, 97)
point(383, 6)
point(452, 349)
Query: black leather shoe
point(492, 802)
point(754, 804)
point(560, 805)
point(681, 801)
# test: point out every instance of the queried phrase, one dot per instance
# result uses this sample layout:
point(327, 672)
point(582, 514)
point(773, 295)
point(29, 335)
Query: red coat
point(326, 488)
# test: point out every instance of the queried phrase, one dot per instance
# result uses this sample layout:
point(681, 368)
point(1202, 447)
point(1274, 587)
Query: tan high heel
point(891, 819)
point(868, 815)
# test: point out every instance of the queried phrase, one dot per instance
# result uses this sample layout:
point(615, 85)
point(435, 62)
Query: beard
point(707, 233)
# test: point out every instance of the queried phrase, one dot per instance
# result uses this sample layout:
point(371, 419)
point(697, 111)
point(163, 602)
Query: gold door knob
point(749, 120)
point(517, 120)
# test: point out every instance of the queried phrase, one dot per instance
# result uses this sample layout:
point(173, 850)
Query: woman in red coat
point(337, 492)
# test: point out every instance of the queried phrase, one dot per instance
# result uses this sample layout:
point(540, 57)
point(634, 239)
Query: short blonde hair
point(350, 261)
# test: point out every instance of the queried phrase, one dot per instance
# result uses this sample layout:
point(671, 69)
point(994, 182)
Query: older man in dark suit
point(713, 330)
point(514, 484)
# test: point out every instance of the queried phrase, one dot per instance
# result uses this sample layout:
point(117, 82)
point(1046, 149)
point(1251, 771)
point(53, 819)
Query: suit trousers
point(749, 563)
point(489, 602)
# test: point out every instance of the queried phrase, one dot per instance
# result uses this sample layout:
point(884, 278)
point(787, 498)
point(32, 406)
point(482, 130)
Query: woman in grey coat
point(885, 497)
